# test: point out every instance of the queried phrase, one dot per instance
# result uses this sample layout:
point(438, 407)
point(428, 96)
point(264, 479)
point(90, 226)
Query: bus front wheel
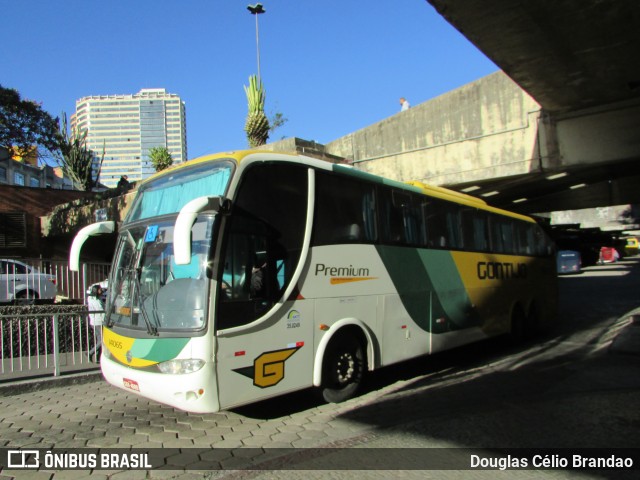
point(343, 369)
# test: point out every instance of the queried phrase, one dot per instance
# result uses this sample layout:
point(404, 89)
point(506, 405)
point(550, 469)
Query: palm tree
point(160, 158)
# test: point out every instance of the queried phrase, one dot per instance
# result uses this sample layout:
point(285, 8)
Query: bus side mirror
point(186, 219)
point(82, 236)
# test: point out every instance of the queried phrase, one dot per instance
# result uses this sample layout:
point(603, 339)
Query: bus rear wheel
point(518, 333)
point(534, 325)
point(343, 369)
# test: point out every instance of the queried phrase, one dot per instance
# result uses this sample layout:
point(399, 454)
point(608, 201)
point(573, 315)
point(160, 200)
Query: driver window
point(244, 268)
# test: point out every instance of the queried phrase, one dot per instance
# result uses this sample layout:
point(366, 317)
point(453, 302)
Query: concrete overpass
point(557, 129)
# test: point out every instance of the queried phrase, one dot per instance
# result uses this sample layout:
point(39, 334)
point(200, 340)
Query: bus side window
point(523, 238)
point(345, 211)
point(502, 235)
point(392, 221)
point(436, 227)
point(348, 233)
point(454, 231)
point(474, 230)
point(249, 285)
point(235, 276)
point(401, 216)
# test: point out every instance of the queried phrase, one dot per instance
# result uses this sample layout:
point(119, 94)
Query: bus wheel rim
point(345, 368)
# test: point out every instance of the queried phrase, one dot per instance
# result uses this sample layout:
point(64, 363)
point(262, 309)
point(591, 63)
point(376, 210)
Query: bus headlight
point(179, 366)
point(105, 352)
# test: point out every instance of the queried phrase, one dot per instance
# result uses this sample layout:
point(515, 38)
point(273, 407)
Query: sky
point(330, 67)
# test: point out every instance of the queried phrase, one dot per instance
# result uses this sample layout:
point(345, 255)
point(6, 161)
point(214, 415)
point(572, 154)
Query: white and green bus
point(241, 276)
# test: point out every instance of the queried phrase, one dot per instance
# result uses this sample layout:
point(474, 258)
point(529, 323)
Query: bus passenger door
point(264, 343)
point(275, 355)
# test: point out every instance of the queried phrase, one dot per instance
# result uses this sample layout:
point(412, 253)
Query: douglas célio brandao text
point(549, 462)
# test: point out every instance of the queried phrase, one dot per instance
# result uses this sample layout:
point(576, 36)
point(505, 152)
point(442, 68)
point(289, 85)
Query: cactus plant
point(257, 124)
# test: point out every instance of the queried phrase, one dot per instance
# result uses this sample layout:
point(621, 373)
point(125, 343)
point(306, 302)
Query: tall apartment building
point(127, 126)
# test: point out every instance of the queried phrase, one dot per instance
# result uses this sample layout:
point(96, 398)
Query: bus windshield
point(149, 291)
point(169, 193)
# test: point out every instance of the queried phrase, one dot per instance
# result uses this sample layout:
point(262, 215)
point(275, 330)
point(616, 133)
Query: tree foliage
point(161, 158)
point(276, 121)
point(24, 124)
point(76, 160)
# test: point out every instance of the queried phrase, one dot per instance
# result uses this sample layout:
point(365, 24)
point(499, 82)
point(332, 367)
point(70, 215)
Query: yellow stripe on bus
point(118, 346)
point(340, 280)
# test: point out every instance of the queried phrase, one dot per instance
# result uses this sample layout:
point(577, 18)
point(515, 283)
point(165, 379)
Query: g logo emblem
point(268, 368)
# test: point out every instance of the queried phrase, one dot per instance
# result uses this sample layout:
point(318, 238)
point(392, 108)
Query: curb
point(627, 342)
point(34, 385)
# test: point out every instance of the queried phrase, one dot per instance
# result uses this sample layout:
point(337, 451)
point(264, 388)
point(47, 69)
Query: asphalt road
point(576, 388)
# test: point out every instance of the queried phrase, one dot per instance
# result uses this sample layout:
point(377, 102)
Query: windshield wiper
point(132, 276)
point(110, 314)
point(151, 329)
point(109, 310)
point(110, 322)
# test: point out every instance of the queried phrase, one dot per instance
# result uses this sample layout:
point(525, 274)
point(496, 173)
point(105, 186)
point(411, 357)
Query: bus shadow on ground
point(416, 372)
point(572, 400)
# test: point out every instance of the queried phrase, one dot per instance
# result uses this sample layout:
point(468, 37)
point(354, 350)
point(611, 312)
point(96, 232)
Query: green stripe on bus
point(352, 172)
point(452, 292)
point(158, 350)
point(369, 177)
point(430, 288)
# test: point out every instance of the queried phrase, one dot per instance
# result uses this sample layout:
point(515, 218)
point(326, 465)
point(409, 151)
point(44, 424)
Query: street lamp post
point(256, 10)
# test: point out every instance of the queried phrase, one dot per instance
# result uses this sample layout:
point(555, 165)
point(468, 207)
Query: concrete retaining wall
point(486, 129)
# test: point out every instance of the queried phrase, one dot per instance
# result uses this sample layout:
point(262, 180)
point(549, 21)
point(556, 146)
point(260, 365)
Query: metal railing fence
point(47, 344)
point(73, 285)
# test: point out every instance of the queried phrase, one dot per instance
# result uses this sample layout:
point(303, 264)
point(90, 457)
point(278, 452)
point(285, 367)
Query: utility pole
point(256, 10)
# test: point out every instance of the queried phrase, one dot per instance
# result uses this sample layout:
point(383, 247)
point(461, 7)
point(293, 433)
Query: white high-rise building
point(127, 126)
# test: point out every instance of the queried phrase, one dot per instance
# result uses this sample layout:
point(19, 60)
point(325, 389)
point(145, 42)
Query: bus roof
point(413, 185)
point(238, 156)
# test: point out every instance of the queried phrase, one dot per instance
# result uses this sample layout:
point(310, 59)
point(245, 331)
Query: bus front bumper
point(193, 392)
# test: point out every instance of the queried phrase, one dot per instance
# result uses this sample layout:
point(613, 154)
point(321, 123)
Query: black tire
point(26, 297)
point(534, 326)
point(518, 332)
point(343, 368)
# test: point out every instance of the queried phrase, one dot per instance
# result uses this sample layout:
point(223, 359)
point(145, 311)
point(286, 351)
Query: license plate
point(131, 384)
